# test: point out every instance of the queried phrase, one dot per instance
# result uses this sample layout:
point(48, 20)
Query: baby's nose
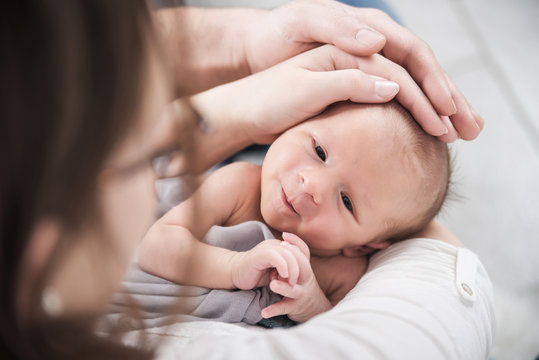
point(311, 185)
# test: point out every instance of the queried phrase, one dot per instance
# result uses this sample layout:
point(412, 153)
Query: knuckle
point(379, 15)
point(421, 49)
point(401, 71)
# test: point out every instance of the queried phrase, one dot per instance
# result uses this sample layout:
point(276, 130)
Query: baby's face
point(336, 181)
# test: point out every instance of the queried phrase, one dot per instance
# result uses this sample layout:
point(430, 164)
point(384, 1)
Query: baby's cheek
point(316, 236)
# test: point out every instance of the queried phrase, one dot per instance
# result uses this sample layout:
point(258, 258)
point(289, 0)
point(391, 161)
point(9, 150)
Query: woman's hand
point(227, 44)
point(258, 108)
point(304, 299)
point(301, 25)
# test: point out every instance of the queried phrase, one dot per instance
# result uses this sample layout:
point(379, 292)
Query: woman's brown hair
point(71, 78)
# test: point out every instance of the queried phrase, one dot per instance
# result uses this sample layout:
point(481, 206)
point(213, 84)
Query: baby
point(350, 181)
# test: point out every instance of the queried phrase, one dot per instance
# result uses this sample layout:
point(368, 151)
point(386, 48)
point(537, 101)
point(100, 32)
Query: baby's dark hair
point(430, 159)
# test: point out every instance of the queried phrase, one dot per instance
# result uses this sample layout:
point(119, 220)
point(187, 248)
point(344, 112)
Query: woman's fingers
point(358, 87)
point(415, 55)
point(302, 25)
point(299, 26)
point(328, 23)
point(452, 134)
point(355, 85)
point(411, 96)
point(466, 121)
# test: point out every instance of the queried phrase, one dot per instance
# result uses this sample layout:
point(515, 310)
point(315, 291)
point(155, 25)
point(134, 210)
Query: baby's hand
point(304, 299)
point(251, 269)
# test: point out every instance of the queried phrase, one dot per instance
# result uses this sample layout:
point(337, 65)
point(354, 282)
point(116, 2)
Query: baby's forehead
point(352, 117)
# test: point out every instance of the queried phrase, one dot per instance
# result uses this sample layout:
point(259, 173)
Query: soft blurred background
point(490, 48)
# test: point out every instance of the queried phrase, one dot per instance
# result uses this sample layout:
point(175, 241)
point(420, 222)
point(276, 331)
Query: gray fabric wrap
point(159, 299)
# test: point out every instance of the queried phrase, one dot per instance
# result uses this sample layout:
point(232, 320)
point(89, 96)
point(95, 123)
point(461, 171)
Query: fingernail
point(368, 37)
point(445, 120)
point(454, 107)
point(477, 125)
point(386, 88)
point(476, 116)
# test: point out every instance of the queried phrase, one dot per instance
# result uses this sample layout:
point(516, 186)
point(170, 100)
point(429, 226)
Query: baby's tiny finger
point(292, 264)
point(273, 274)
point(285, 289)
point(275, 260)
point(279, 308)
point(297, 241)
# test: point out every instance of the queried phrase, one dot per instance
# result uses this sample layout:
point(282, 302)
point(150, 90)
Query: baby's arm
point(172, 248)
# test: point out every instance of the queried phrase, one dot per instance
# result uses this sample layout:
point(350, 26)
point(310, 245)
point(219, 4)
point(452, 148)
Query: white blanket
point(420, 299)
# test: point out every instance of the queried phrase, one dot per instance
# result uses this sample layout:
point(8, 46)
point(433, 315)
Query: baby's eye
point(347, 203)
point(320, 152)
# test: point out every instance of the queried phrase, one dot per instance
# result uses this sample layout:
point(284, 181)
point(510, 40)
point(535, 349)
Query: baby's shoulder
point(238, 174)
point(239, 183)
point(240, 170)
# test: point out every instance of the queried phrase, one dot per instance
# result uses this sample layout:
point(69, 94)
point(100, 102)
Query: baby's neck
point(276, 233)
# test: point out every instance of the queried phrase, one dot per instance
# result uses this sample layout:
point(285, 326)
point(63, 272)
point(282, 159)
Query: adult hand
point(258, 108)
point(301, 25)
point(226, 44)
point(279, 97)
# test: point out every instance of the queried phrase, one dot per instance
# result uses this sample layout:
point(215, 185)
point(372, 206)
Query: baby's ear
point(355, 251)
point(379, 245)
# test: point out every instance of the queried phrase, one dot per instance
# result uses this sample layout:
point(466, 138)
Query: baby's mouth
point(286, 202)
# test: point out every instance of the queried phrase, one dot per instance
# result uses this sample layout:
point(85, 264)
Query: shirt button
point(467, 288)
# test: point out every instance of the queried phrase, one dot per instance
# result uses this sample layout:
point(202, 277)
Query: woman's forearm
point(221, 130)
point(205, 46)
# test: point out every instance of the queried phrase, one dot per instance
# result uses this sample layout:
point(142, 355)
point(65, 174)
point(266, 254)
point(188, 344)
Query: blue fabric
point(281, 321)
point(377, 4)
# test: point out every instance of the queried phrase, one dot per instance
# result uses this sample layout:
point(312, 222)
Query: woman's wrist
point(222, 130)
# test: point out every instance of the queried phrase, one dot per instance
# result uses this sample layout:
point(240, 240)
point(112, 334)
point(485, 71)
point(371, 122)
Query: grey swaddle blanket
point(159, 299)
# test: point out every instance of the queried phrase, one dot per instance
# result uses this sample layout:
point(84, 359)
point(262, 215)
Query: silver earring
point(51, 302)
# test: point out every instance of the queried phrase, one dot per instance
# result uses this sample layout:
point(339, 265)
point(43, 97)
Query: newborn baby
point(335, 188)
